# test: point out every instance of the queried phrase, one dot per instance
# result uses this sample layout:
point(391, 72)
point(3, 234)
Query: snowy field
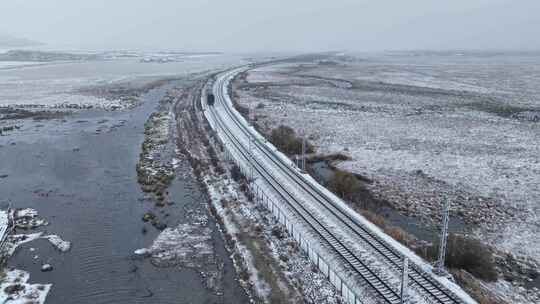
point(424, 128)
point(58, 84)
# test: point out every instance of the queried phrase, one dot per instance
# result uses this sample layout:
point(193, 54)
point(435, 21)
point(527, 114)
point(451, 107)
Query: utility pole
point(439, 269)
point(304, 151)
point(404, 281)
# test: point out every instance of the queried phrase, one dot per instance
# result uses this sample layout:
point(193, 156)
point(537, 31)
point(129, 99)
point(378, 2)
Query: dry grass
point(399, 235)
point(475, 288)
point(374, 218)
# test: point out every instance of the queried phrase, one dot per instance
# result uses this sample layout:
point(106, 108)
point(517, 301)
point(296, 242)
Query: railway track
point(424, 283)
point(348, 257)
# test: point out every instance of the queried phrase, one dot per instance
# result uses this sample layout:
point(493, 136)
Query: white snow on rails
point(359, 259)
point(4, 226)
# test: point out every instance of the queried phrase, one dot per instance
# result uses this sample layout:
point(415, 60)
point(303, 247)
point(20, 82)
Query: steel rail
point(419, 278)
point(368, 276)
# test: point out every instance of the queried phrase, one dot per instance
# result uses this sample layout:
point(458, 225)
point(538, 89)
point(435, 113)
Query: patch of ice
point(46, 267)
point(27, 218)
point(14, 241)
point(188, 245)
point(26, 212)
point(15, 289)
point(175, 162)
point(58, 243)
point(142, 251)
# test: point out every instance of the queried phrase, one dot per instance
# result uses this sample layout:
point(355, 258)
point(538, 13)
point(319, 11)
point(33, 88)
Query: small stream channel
point(323, 172)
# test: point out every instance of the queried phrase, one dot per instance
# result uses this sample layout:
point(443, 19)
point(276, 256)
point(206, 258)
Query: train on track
point(210, 99)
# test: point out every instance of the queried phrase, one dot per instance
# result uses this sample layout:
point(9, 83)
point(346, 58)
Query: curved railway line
point(424, 283)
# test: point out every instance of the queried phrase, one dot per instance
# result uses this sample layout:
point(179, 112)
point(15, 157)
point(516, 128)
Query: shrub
point(471, 255)
point(278, 232)
point(345, 184)
point(478, 291)
point(236, 174)
point(244, 187)
point(285, 139)
point(464, 253)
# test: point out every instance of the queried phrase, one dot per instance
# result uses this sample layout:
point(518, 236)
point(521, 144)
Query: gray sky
point(276, 25)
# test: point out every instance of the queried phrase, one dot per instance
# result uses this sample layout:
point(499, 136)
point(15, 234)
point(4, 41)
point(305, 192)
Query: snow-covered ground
point(15, 64)
point(15, 289)
point(310, 208)
point(423, 130)
point(4, 225)
point(14, 285)
point(61, 84)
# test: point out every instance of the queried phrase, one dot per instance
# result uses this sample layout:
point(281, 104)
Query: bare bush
point(471, 255)
point(465, 253)
point(476, 289)
point(236, 174)
point(285, 139)
point(345, 184)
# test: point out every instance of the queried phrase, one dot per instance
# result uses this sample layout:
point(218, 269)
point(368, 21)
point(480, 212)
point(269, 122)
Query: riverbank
point(189, 239)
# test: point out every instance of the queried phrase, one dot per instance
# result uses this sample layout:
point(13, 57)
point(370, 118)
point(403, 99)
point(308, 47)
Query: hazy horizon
point(276, 26)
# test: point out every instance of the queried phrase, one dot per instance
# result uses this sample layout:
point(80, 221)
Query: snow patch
point(58, 242)
point(15, 289)
point(16, 240)
point(187, 244)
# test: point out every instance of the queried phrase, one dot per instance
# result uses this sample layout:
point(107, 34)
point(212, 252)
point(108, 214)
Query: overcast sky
point(276, 25)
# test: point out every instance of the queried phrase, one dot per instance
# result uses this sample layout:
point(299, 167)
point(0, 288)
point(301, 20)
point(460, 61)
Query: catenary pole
point(444, 238)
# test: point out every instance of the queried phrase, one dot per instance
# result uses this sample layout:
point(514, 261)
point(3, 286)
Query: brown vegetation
point(462, 252)
point(475, 288)
point(286, 140)
point(470, 254)
point(345, 184)
point(465, 253)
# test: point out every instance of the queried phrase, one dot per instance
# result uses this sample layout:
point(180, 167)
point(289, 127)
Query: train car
point(210, 99)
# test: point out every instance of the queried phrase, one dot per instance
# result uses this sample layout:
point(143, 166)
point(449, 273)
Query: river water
point(79, 174)
point(323, 173)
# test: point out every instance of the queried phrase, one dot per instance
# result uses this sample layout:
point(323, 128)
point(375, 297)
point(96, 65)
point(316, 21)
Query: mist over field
point(300, 25)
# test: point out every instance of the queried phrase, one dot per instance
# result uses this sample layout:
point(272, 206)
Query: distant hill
point(28, 55)
point(10, 41)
